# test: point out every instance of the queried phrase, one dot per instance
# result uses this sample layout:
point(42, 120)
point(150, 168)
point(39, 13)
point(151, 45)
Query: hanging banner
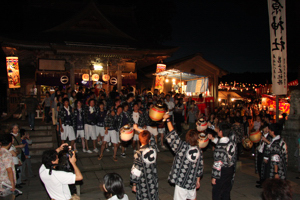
point(201, 85)
point(277, 19)
point(159, 81)
point(13, 73)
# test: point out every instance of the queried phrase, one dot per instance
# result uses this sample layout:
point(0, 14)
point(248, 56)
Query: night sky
point(232, 34)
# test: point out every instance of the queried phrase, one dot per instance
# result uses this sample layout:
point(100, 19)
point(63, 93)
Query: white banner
point(277, 19)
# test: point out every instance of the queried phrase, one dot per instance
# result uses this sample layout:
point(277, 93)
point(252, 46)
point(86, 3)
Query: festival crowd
point(92, 114)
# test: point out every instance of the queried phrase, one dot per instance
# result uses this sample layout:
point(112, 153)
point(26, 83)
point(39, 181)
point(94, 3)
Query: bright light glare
point(98, 67)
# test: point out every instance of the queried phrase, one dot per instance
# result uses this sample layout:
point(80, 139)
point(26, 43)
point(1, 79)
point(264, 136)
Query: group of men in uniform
point(89, 121)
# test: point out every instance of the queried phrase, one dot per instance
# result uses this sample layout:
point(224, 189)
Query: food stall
point(191, 85)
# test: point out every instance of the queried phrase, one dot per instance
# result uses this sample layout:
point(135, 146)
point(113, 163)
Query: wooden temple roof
point(86, 28)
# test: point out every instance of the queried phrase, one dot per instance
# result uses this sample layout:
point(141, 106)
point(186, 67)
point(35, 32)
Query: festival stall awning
point(225, 95)
point(175, 73)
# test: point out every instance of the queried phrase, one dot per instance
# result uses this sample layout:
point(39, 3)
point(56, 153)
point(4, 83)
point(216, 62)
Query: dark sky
point(232, 34)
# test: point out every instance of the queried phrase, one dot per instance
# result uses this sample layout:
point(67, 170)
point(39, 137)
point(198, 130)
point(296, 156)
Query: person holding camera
point(56, 182)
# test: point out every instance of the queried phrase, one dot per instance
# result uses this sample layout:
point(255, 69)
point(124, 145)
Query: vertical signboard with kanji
point(277, 19)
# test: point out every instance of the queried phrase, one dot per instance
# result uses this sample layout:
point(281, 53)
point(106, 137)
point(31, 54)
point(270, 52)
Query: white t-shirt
point(15, 158)
point(116, 198)
point(57, 183)
point(170, 105)
point(135, 116)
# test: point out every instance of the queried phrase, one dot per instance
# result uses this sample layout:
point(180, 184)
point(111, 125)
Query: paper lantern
point(85, 77)
point(202, 140)
point(95, 77)
point(157, 112)
point(255, 136)
point(13, 74)
point(105, 77)
point(247, 143)
point(126, 133)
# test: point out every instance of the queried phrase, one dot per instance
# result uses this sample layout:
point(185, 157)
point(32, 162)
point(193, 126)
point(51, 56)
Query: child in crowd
point(114, 187)
point(27, 163)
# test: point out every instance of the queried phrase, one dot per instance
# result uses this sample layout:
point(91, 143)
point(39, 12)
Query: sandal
point(115, 159)
point(100, 157)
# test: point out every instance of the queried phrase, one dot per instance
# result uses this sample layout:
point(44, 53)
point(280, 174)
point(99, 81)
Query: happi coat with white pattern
point(188, 162)
point(144, 172)
point(224, 156)
point(278, 156)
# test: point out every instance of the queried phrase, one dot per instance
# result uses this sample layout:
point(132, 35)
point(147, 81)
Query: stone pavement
point(94, 170)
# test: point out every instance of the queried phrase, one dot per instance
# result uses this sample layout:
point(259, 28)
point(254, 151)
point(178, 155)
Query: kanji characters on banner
point(277, 19)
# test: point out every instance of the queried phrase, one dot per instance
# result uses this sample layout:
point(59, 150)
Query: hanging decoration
point(105, 77)
point(85, 77)
point(95, 77)
point(13, 73)
point(159, 81)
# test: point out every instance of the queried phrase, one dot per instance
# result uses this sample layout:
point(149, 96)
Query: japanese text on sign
point(277, 19)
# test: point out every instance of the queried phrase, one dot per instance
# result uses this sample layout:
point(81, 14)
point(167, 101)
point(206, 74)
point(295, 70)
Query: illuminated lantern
point(85, 77)
point(157, 112)
point(105, 77)
point(13, 73)
point(255, 136)
point(126, 133)
point(203, 140)
point(95, 77)
point(247, 143)
point(159, 81)
point(201, 124)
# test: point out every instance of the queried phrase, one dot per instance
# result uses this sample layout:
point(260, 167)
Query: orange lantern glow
point(85, 77)
point(95, 77)
point(105, 77)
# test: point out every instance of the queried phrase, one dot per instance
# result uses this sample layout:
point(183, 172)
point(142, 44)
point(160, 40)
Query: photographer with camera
point(56, 182)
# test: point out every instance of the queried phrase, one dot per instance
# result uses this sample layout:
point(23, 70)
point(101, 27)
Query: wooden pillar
point(215, 89)
point(107, 89)
point(72, 77)
point(119, 78)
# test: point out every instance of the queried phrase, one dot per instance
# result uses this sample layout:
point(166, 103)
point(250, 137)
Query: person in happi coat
point(100, 115)
point(187, 166)
point(223, 169)
point(276, 157)
point(78, 125)
point(90, 121)
point(66, 123)
point(260, 167)
point(137, 117)
point(125, 119)
point(110, 134)
point(144, 172)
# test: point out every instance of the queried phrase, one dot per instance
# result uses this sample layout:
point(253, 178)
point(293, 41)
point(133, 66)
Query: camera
point(68, 150)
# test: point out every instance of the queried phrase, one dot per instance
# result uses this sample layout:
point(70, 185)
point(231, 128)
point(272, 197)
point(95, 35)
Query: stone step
point(48, 145)
point(41, 133)
point(37, 151)
point(38, 128)
point(36, 139)
point(36, 159)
